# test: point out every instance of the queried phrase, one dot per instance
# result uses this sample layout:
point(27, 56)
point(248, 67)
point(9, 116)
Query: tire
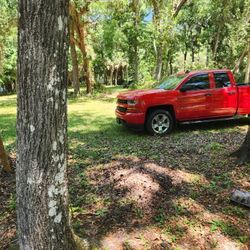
point(160, 122)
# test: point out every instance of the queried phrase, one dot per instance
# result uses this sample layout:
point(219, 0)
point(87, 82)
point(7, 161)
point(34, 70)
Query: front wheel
point(160, 122)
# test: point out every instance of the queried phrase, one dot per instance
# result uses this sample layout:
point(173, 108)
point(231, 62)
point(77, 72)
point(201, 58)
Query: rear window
point(221, 80)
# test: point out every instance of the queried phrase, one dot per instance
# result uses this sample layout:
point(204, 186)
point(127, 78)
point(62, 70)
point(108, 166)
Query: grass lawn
point(129, 190)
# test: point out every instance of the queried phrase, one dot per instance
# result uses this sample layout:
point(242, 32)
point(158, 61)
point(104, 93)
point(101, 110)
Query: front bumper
point(138, 127)
point(132, 120)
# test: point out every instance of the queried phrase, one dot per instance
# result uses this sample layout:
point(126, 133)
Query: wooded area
point(139, 41)
point(152, 187)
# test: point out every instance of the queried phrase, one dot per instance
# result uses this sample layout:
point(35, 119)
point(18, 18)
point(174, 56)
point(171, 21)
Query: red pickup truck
point(184, 97)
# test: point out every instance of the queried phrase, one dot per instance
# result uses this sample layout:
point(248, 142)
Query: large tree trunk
point(4, 161)
point(42, 192)
point(242, 153)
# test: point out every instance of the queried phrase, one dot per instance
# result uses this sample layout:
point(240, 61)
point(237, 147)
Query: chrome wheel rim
point(160, 124)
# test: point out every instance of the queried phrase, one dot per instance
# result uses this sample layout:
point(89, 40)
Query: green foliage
point(160, 217)
point(8, 44)
point(12, 202)
point(228, 229)
point(205, 34)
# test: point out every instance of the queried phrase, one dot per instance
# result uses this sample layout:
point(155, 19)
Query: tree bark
point(75, 73)
point(111, 76)
point(135, 57)
point(42, 192)
point(159, 57)
point(247, 76)
point(185, 59)
point(242, 153)
point(75, 69)
point(158, 7)
point(216, 44)
point(4, 161)
point(207, 56)
point(239, 61)
point(116, 74)
point(180, 5)
point(81, 41)
point(193, 54)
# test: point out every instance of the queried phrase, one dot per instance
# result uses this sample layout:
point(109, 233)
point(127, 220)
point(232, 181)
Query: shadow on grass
point(129, 182)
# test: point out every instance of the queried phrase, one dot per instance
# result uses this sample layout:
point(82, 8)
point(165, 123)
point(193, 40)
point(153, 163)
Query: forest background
point(138, 42)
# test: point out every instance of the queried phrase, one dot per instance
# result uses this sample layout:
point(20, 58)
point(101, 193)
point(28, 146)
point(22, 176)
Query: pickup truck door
point(195, 102)
point(224, 95)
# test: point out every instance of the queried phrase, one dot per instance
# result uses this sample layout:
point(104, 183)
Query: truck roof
point(207, 71)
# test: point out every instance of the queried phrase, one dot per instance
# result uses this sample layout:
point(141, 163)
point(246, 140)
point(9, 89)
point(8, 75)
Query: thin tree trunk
point(136, 63)
point(171, 66)
point(4, 161)
point(216, 45)
point(81, 32)
point(185, 60)
point(158, 70)
point(239, 61)
point(135, 42)
point(159, 45)
point(111, 75)
point(116, 75)
point(247, 76)
point(75, 73)
point(180, 5)
point(42, 191)
point(193, 54)
point(207, 57)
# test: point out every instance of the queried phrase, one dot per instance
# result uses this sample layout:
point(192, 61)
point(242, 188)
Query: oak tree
point(42, 193)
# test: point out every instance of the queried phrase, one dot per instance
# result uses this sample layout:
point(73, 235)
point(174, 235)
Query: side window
point(197, 82)
point(221, 80)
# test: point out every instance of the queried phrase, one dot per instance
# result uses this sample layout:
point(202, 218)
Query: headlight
point(132, 102)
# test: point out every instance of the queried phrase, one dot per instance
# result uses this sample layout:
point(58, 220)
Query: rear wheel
point(160, 122)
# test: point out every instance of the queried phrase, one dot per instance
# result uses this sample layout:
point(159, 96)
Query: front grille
point(122, 109)
point(122, 101)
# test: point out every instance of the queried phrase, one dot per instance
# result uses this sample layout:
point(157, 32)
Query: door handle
point(231, 92)
point(208, 94)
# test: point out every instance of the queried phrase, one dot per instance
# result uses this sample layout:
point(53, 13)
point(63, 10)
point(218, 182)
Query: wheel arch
point(167, 107)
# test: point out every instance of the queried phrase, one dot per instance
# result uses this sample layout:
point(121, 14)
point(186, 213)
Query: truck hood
point(138, 93)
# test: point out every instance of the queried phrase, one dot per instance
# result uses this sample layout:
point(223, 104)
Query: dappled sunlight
point(132, 190)
point(149, 204)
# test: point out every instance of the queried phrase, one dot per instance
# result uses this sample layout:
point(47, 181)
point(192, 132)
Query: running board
point(215, 120)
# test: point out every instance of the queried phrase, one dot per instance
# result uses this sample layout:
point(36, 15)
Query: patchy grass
point(129, 190)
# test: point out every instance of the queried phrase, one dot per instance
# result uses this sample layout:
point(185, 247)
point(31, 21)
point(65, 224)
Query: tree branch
point(180, 5)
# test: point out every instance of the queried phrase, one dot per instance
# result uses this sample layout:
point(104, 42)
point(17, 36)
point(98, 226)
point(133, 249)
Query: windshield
point(170, 82)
